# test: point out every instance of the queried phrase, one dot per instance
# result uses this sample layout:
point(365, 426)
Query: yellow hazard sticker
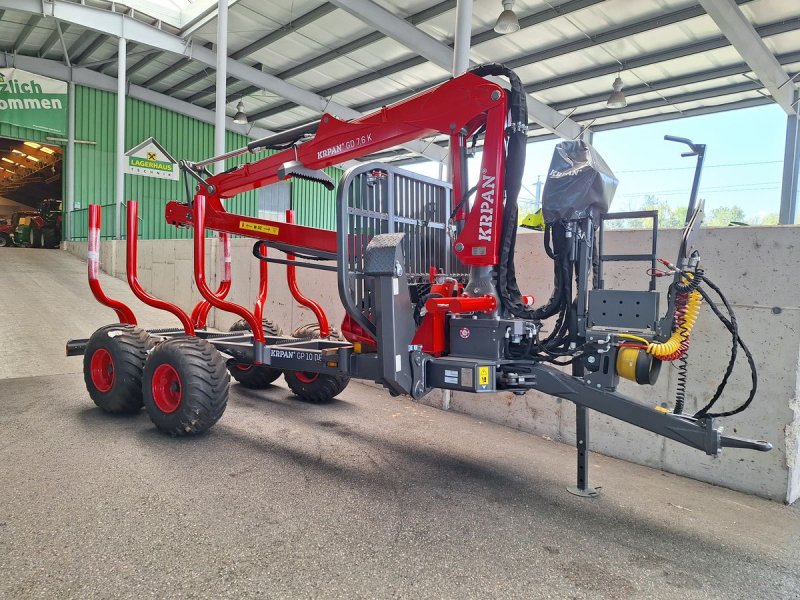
point(483, 375)
point(261, 228)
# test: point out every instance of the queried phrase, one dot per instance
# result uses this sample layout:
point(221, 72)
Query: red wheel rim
point(306, 377)
point(242, 367)
point(167, 388)
point(102, 370)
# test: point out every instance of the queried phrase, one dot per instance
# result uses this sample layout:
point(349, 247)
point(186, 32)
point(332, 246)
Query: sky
point(743, 165)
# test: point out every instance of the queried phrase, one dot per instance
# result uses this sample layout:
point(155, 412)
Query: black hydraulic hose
point(733, 327)
point(507, 287)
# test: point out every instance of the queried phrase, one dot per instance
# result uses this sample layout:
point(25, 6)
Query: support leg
point(582, 442)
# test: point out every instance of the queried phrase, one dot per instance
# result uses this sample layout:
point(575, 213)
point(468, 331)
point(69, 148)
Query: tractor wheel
point(113, 365)
point(318, 388)
point(185, 386)
point(49, 239)
point(256, 377)
point(5, 241)
point(33, 238)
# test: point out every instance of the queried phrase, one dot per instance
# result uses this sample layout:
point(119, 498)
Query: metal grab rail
point(124, 313)
point(131, 259)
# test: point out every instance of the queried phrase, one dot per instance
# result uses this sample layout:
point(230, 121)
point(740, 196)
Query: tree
point(668, 217)
point(723, 216)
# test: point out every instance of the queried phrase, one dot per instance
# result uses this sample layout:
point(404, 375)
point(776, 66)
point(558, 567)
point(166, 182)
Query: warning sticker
point(261, 228)
point(483, 375)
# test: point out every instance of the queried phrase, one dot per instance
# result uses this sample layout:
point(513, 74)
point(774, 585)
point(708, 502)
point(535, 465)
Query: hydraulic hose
point(677, 344)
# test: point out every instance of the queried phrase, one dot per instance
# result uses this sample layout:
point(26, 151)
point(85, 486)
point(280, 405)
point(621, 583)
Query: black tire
point(33, 238)
point(49, 239)
point(113, 365)
point(256, 377)
point(41, 239)
point(5, 241)
point(317, 388)
point(311, 332)
point(185, 386)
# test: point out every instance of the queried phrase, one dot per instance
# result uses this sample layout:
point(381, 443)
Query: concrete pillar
point(70, 160)
point(222, 75)
point(120, 183)
point(791, 169)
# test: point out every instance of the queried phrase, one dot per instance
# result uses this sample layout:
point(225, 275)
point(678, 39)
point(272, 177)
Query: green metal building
point(183, 137)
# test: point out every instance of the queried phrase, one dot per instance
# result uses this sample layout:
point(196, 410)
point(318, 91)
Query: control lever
point(698, 150)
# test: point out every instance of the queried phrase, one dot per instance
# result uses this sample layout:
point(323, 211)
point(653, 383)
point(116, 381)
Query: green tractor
point(43, 229)
point(8, 227)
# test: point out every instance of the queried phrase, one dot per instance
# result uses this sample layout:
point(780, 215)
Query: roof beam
point(189, 81)
point(26, 32)
point(442, 55)
point(51, 40)
point(740, 32)
point(119, 25)
point(98, 41)
point(283, 30)
point(612, 68)
point(611, 34)
point(164, 73)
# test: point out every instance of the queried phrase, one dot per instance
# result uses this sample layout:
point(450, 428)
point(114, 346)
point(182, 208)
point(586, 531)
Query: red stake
point(124, 313)
point(132, 270)
point(291, 278)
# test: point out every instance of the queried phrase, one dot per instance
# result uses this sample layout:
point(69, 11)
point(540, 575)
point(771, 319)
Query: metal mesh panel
point(378, 198)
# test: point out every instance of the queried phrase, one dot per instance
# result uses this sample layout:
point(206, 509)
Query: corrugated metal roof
point(672, 57)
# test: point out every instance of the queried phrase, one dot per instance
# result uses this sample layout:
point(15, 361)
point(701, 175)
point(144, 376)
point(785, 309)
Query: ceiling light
point(617, 98)
point(15, 151)
point(47, 150)
point(507, 22)
point(240, 117)
point(33, 158)
point(8, 160)
point(33, 144)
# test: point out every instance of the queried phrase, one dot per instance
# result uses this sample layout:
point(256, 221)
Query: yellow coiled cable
point(682, 331)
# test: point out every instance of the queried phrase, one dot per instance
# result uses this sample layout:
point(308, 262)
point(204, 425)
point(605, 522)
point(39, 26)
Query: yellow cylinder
point(635, 364)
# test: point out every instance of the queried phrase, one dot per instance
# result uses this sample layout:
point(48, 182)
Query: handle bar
point(696, 148)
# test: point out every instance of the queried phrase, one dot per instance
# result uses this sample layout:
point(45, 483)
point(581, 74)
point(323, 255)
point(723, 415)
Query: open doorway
point(30, 193)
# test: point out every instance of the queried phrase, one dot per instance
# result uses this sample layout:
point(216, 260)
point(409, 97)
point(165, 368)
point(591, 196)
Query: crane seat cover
point(579, 184)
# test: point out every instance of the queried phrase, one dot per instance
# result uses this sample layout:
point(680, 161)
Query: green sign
point(32, 101)
point(151, 160)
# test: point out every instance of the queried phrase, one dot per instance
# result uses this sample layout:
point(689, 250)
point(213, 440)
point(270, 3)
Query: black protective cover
point(579, 182)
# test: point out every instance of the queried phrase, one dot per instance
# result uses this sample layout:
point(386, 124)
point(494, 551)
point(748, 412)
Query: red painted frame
point(132, 247)
point(124, 313)
point(291, 279)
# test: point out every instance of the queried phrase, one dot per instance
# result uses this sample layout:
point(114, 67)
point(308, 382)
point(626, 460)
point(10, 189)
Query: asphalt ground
point(368, 497)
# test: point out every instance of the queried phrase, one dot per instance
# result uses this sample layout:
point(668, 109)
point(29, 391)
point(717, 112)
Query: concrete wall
point(755, 267)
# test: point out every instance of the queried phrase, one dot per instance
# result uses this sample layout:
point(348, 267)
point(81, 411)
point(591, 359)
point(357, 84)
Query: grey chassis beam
point(93, 79)
point(119, 25)
point(699, 434)
point(739, 30)
point(442, 56)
